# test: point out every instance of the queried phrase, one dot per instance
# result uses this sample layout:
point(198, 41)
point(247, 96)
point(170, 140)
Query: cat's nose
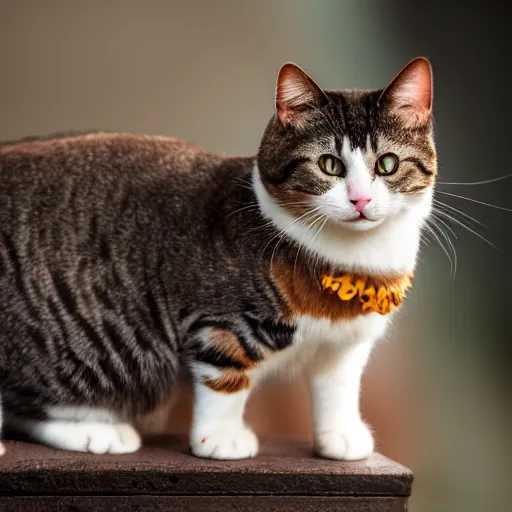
point(360, 204)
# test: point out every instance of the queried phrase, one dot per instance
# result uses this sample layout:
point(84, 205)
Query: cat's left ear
point(409, 95)
point(296, 92)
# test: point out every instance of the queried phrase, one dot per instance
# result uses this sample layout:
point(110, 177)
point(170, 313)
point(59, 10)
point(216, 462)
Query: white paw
point(91, 437)
point(117, 438)
point(350, 442)
point(2, 449)
point(225, 442)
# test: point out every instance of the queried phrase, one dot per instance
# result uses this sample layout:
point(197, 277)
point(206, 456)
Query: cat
point(127, 261)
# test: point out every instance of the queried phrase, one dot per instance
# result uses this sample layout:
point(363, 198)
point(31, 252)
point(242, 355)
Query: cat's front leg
point(218, 429)
point(334, 384)
point(221, 388)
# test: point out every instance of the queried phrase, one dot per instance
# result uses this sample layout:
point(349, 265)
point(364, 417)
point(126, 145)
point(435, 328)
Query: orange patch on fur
point(228, 344)
point(304, 294)
point(230, 381)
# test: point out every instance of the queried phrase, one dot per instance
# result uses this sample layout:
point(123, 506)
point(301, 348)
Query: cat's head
point(356, 159)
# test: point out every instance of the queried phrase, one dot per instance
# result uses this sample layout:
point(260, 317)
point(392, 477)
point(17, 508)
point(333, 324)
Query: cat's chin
point(360, 224)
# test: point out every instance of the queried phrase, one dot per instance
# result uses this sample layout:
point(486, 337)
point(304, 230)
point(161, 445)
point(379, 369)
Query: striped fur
point(126, 260)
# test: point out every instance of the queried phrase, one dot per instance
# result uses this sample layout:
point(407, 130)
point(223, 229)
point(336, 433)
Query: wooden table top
point(165, 467)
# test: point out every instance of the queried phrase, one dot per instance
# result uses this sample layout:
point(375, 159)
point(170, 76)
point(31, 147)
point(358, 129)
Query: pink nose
point(360, 204)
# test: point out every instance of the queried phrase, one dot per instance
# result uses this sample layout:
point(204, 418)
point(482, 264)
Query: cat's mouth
point(361, 217)
point(362, 223)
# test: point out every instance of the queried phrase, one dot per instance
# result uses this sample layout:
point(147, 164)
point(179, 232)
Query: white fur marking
point(81, 436)
point(218, 430)
point(389, 248)
point(334, 386)
point(334, 353)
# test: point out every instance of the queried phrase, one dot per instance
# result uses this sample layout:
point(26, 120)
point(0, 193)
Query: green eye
point(387, 164)
point(332, 166)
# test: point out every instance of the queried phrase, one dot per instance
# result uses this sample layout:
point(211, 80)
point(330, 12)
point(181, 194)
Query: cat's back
point(115, 154)
point(128, 185)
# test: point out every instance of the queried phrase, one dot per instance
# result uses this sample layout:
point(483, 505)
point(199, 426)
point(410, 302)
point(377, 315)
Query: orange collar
point(374, 295)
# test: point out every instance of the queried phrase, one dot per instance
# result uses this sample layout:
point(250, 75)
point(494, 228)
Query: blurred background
point(437, 390)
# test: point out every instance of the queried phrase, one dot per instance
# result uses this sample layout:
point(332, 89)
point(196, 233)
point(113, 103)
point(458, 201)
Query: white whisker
point(318, 218)
point(316, 255)
point(471, 183)
point(283, 233)
point(434, 234)
point(449, 241)
point(252, 206)
point(460, 212)
point(476, 201)
point(447, 215)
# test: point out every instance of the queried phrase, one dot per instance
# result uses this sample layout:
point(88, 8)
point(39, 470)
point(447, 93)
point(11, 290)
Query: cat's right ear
point(296, 92)
point(409, 95)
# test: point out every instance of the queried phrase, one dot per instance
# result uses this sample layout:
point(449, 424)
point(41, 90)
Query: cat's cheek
point(416, 207)
point(382, 204)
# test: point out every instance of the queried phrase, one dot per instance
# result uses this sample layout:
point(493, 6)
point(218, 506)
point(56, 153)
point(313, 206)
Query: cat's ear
point(409, 95)
point(296, 92)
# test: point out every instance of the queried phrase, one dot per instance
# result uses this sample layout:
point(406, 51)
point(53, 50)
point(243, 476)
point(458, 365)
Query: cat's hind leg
point(81, 429)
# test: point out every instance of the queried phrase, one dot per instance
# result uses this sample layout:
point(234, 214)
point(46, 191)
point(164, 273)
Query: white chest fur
point(315, 337)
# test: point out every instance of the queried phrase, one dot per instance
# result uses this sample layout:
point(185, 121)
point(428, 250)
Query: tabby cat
point(127, 261)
